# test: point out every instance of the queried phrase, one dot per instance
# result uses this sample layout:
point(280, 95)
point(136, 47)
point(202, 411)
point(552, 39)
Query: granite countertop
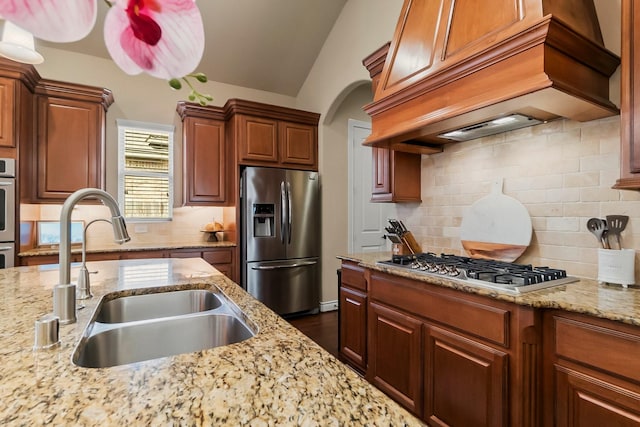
point(582, 296)
point(278, 377)
point(131, 247)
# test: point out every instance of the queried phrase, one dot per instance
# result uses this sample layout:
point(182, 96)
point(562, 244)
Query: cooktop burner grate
point(501, 275)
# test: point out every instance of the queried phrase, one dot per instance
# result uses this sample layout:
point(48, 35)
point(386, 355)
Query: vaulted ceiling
point(262, 44)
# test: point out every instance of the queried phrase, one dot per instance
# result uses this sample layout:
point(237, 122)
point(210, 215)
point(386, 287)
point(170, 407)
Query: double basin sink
point(135, 328)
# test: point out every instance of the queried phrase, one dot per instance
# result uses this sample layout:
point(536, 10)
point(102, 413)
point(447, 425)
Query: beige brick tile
point(565, 195)
point(582, 179)
point(599, 194)
point(609, 161)
point(583, 209)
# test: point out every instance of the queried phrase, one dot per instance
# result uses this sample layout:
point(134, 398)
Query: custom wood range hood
point(461, 64)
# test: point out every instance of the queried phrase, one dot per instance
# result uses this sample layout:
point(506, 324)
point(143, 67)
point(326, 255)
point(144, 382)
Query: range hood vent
point(456, 66)
point(490, 127)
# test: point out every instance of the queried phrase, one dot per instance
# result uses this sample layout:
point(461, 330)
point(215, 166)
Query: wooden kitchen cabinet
point(458, 369)
point(630, 98)
point(17, 82)
point(273, 136)
point(7, 106)
point(395, 362)
point(396, 175)
point(298, 145)
point(453, 358)
point(258, 139)
point(69, 149)
point(352, 328)
point(221, 258)
point(591, 371)
point(205, 156)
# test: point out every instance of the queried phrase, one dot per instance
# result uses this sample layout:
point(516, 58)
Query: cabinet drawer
point(459, 312)
point(353, 276)
point(187, 254)
point(223, 256)
point(598, 346)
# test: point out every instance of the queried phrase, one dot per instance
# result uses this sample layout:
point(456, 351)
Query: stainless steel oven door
point(7, 209)
point(7, 255)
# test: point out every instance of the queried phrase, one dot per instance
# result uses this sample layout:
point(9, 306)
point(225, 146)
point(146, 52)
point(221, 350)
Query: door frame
point(352, 124)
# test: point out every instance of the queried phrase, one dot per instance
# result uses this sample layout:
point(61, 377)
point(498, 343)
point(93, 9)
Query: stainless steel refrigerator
point(281, 238)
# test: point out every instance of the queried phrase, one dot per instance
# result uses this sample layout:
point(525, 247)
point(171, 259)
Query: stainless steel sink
point(156, 305)
point(148, 326)
point(160, 338)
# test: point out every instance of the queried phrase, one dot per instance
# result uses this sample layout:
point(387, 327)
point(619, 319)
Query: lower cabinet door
point(394, 350)
point(586, 401)
point(353, 328)
point(465, 381)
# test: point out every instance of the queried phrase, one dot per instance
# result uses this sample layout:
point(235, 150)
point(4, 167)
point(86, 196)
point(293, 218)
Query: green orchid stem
point(108, 3)
point(202, 98)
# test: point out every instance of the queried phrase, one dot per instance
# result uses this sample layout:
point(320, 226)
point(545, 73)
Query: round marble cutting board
point(496, 227)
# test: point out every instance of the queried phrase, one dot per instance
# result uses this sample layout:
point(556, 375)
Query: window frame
point(123, 126)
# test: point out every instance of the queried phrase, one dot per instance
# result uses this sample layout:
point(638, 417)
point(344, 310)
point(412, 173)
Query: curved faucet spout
point(119, 226)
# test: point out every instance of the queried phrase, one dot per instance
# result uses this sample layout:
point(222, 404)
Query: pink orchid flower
point(164, 38)
point(58, 21)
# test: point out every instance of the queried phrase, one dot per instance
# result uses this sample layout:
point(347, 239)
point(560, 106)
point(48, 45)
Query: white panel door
point(366, 220)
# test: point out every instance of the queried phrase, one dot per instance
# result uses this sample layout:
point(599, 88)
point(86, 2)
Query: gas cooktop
point(505, 276)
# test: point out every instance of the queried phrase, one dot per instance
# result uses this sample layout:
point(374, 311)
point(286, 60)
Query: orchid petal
point(177, 52)
point(58, 21)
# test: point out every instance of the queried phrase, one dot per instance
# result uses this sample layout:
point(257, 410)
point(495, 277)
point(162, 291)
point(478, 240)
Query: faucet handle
point(84, 284)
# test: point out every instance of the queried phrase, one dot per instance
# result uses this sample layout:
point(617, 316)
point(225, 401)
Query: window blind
point(145, 185)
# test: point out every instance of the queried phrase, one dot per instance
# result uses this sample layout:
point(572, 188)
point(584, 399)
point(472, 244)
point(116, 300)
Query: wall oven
point(7, 212)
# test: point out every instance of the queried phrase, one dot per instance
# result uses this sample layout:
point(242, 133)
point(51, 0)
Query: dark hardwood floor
point(321, 328)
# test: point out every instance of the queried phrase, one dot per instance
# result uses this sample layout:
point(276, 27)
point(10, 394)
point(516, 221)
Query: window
point(145, 170)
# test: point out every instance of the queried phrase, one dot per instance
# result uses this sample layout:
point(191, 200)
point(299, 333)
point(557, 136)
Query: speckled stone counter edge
point(278, 377)
point(583, 296)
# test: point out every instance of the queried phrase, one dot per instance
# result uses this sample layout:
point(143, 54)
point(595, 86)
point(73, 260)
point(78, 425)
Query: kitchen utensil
point(496, 227)
point(394, 238)
point(598, 227)
point(616, 225)
point(397, 229)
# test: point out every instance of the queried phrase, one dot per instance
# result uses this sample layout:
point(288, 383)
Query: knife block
point(410, 241)
point(400, 249)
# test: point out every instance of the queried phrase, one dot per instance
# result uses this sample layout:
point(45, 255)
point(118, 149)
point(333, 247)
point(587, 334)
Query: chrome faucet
point(64, 293)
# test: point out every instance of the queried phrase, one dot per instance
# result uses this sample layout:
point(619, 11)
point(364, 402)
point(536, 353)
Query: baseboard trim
point(328, 306)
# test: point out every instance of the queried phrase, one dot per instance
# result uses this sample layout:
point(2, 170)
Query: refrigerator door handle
point(289, 212)
point(283, 210)
point(276, 267)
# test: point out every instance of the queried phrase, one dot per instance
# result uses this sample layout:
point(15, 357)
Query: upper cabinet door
point(298, 144)
point(69, 149)
point(630, 98)
point(258, 139)
point(7, 119)
point(204, 161)
point(70, 141)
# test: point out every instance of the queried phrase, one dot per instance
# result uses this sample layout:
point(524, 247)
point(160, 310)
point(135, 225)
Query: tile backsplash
point(183, 229)
point(561, 171)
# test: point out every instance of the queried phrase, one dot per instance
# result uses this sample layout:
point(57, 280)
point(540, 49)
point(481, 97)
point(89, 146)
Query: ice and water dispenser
point(263, 219)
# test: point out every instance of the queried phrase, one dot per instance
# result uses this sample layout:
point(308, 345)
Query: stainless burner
point(509, 277)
